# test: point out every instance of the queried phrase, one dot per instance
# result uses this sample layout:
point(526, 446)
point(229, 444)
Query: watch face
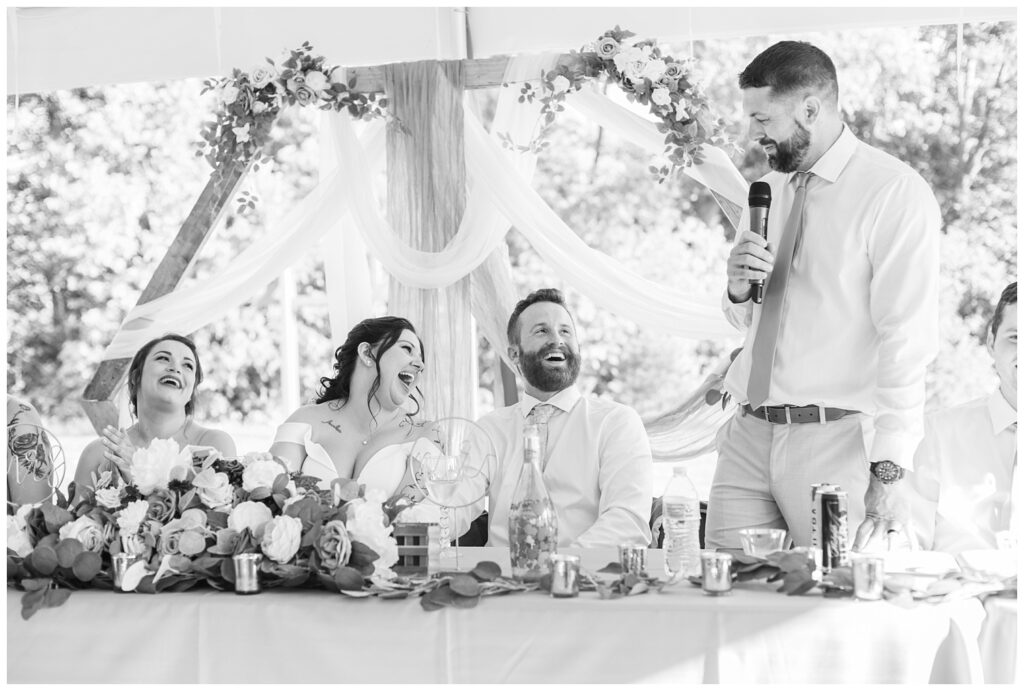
point(886, 471)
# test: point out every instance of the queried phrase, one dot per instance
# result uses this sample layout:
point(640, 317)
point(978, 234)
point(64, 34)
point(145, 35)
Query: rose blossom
point(214, 489)
point(654, 69)
point(365, 523)
point(334, 545)
point(109, 497)
point(241, 133)
point(86, 530)
point(259, 107)
point(607, 47)
point(560, 84)
point(260, 76)
point(632, 62)
point(249, 514)
point(134, 544)
point(17, 537)
point(673, 70)
point(316, 81)
point(153, 467)
point(661, 97)
point(131, 517)
point(302, 92)
point(162, 504)
point(281, 538)
point(261, 474)
point(228, 94)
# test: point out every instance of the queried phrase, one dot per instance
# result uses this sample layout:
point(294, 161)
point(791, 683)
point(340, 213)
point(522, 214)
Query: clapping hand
point(118, 449)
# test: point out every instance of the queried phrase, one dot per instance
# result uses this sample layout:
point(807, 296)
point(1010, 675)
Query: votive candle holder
point(247, 573)
point(633, 559)
point(868, 577)
point(565, 575)
point(120, 563)
point(716, 569)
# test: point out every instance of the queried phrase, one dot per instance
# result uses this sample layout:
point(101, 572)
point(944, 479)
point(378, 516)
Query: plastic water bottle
point(681, 521)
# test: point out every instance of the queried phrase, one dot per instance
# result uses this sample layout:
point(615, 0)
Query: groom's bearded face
point(540, 370)
point(786, 156)
point(549, 356)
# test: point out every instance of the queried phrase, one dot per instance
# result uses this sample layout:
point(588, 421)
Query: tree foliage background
point(100, 179)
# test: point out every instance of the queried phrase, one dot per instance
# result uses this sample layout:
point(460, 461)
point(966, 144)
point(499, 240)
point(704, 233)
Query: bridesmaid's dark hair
point(380, 332)
point(135, 371)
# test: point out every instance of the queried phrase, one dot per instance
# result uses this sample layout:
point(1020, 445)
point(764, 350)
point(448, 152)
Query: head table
point(678, 635)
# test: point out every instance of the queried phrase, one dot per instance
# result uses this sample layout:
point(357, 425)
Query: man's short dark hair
point(790, 67)
point(1009, 297)
point(543, 295)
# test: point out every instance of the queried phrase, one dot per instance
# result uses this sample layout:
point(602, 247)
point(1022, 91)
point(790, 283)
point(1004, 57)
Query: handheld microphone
point(759, 199)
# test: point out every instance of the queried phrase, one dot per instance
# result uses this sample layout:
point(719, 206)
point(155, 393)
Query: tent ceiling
point(54, 48)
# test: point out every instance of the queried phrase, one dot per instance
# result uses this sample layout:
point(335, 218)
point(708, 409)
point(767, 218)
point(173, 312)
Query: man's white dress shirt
point(860, 322)
point(598, 470)
point(964, 474)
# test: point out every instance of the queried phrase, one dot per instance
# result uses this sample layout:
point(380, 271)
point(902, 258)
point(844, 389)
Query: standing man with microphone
point(831, 378)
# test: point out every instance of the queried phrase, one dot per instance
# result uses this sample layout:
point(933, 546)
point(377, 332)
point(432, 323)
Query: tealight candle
point(717, 572)
point(868, 577)
point(247, 573)
point(633, 559)
point(121, 561)
point(565, 575)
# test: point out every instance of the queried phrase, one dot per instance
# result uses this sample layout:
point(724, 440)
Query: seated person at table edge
point(595, 458)
point(965, 469)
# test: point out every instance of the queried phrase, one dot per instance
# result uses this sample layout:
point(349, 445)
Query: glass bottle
point(532, 521)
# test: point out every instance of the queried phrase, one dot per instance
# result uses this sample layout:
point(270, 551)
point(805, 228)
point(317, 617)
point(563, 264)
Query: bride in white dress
point(362, 424)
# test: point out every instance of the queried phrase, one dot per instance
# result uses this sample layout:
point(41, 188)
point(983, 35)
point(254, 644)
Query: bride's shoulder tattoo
point(333, 425)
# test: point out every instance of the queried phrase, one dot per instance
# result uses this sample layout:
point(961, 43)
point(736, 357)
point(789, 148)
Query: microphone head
point(760, 194)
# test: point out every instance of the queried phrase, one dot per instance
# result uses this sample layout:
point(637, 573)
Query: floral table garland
point(249, 101)
point(185, 514)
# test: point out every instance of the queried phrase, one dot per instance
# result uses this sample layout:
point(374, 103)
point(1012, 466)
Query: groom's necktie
point(763, 351)
point(539, 415)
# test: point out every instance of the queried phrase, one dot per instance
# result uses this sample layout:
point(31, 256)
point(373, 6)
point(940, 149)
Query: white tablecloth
point(681, 635)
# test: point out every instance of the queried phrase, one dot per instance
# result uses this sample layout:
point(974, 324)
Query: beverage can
point(835, 533)
point(816, 528)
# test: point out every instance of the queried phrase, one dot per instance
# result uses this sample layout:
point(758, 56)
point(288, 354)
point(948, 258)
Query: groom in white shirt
point(966, 468)
point(595, 457)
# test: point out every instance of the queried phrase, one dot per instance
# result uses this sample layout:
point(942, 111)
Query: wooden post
point(97, 398)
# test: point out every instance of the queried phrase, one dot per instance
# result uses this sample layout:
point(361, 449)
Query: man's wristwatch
point(887, 472)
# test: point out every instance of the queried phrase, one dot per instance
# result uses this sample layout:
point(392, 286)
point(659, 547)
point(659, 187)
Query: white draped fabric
point(343, 213)
point(500, 193)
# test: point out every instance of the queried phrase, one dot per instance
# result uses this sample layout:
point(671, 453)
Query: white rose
point(661, 97)
point(281, 538)
point(153, 467)
point(632, 62)
point(261, 474)
point(249, 514)
point(214, 489)
point(681, 112)
point(229, 94)
point(17, 537)
point(366, 523)
point(109, 497)
point(260, 76)
point(317, 81)
point(259, 107)
point(560, 84)
point(131, 517)
point(654, 69)
point(21, 515)
point(86, 530)
point(241, 133)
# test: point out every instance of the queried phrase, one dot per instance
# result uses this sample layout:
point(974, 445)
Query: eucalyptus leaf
point(347, 578)
point(465, 585)
point(43, 560)
point(393, 594)
point(465, 602)
point(67, 550)
point(35, 583)
point(86, 566)
point(31, 602)
point(486, 571)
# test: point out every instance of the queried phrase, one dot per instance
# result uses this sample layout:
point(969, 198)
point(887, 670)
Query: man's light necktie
point(539, 415)
point(763, 349)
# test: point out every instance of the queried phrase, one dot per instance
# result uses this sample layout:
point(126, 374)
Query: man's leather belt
point(786, 414)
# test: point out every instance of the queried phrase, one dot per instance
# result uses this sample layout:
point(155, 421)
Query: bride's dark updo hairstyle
point(380, 332)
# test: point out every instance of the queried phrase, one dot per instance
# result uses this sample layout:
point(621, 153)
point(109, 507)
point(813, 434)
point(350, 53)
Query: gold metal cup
point(247, 573)
point(565, 575)
point(120, 563)
point(717, 572)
